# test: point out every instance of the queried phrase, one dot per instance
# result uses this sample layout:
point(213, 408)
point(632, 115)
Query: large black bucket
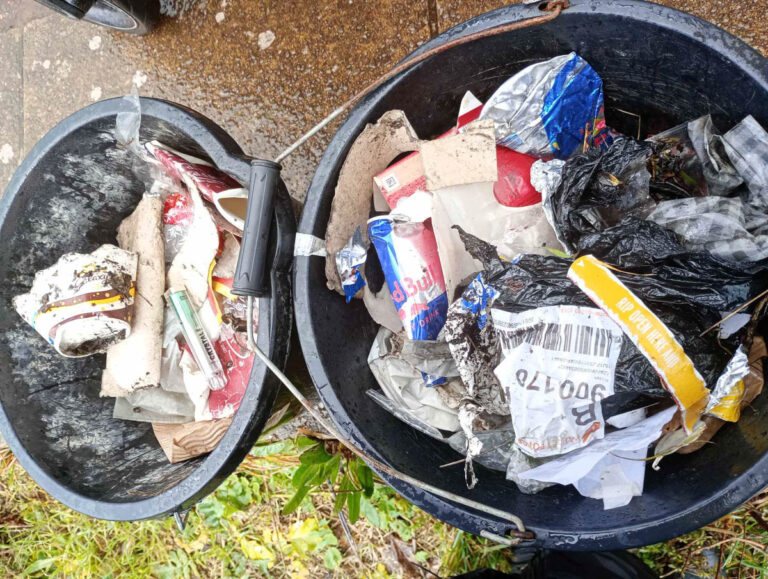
point(667, 67)
point(70, 194)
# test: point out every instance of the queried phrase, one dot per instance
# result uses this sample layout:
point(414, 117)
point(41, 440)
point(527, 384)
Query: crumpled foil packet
point(551, 108)
point(348, 262)
point(470, 336)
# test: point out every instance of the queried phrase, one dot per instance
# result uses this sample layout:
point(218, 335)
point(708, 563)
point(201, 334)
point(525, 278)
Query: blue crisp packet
point(550, 109)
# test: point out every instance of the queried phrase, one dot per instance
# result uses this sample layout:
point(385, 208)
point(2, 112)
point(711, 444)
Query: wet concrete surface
point(215, 56)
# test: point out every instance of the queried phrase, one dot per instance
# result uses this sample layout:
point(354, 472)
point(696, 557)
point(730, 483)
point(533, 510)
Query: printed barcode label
point(558, 364)
point(391, 182)
point(573, 338)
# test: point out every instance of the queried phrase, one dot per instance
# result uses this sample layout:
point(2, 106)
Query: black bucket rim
point(731, 496)
point(274, 327)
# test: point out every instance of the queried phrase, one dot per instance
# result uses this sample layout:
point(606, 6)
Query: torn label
point(558, 364)
point(306, 245)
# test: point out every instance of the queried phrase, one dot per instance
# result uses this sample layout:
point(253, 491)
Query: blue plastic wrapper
point(550, 109)
point(348, 262)
point(476, 297)
point(408, 255)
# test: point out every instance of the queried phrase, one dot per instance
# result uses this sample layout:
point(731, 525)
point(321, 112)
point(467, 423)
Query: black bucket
point(664, 65)
point(70, 194)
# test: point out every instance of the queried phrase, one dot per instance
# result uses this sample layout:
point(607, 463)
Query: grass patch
point(239, 531)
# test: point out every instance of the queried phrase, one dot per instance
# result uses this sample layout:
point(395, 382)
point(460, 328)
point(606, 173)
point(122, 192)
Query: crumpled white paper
point(611, 469)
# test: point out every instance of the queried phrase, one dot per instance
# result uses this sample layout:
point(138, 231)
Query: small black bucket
point(70, 194)
point(663, 65)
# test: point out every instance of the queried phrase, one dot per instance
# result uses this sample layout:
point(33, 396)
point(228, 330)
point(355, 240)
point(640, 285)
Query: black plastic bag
point(688, 291)
point(599, 187)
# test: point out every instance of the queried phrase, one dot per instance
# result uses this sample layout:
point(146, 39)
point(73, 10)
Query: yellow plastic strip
point(224, 290)
point(647, 332)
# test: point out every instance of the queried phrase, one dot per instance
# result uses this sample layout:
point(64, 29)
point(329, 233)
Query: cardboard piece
point(370, 154)
point(468, 157)
point(184, 441)
point(135, 363)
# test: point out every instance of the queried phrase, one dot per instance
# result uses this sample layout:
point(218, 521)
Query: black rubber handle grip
point(250, 275)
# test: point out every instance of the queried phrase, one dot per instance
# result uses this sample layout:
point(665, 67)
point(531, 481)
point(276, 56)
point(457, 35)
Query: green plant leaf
point(370, 513)
point(315, 455)
point(338, 504)
point(271, 448)
point(40, 565)
point(331, 469)
point(237, 491)
point(295, 501)
point(212, 510)
point(558, 253)
point(364, 477)
point(353, 507)
point(303, 443)
point(403, 529)
point(332, 558)
point(304, 475)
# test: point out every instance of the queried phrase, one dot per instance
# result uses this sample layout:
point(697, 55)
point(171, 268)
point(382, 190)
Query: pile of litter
point(159, 305)
point(556, 297)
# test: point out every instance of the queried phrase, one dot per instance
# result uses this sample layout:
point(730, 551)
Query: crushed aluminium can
point(408, 254)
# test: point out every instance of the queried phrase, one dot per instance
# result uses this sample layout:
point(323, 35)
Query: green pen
point(199, 343)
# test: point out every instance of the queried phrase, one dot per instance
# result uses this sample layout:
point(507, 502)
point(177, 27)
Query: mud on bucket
point(664, 67)
point(70, 194)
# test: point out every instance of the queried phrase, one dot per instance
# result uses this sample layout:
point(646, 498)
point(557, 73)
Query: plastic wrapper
point(83, 304)
point(237, 359)
point(411, 374)
point(725, 401)
point(747, 147)
point(727, 227)
point(551, 108)
point(177, 217)
point(348, 262)
point(408, 254)
point(501, 453)
point(598, 188)
point(687, 291)
point(675, 166)
point(612, 469)
point(720, 175)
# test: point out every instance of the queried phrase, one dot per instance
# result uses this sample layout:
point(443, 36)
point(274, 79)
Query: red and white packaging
point(512, 188)
point(228, 196)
